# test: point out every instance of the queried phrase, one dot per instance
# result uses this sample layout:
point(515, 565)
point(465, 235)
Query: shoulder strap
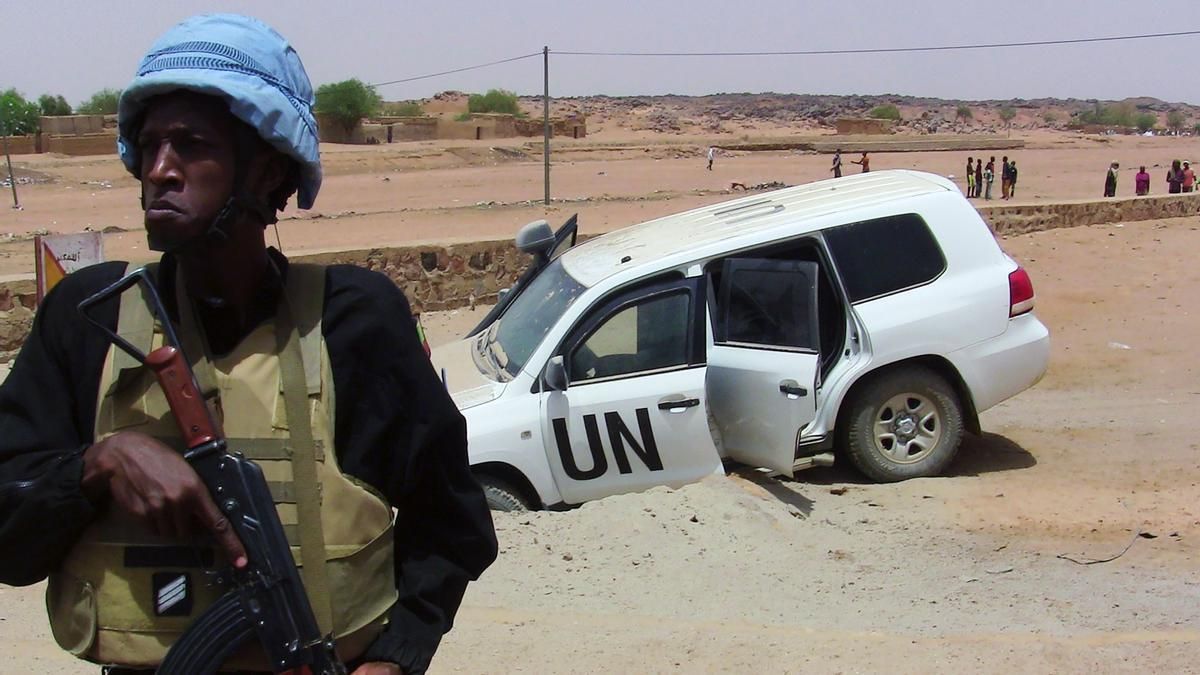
point(298, 323)
point(306, 298)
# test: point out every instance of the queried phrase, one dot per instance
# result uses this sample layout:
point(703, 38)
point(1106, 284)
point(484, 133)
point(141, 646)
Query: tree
point(103, 102)
point(964, 113)
point(494, 101)
point(53, 106)
point(17, 116)
point(347, 102)
point(1007, 114)
point(886, 111)
point(1050, 117)
point(1175, 120)
point(1145, 122)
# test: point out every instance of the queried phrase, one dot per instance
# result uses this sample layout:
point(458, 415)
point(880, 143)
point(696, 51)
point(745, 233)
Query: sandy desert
point(969, 572)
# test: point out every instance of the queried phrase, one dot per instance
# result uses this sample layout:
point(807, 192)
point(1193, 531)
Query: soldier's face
point(187, 166)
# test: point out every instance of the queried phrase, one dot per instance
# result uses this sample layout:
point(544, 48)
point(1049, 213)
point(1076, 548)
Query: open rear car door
point(764, 358)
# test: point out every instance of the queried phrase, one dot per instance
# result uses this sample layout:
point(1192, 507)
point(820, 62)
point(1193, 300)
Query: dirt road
point(959, 573)
point(405, 193)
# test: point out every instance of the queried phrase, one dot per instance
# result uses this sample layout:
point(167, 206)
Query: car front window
point(519, 331)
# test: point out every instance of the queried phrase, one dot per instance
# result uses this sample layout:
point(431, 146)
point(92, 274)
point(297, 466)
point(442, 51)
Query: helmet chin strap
point(220, 228)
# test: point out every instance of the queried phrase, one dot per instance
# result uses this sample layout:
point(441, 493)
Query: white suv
point(872, 316)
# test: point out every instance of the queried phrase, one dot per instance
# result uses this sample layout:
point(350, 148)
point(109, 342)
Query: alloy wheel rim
point(907, 428)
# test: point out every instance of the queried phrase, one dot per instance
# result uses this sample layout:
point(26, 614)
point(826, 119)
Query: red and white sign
point(60, 254)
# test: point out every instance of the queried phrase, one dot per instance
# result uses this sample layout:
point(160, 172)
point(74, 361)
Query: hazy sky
point(75, 48)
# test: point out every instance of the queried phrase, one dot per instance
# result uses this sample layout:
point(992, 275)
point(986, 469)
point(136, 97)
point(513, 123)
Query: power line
point(812, 52)
point(457, 70)
point(896, 50)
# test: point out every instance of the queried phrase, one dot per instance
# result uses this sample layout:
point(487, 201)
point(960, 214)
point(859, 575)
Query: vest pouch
point(364, 579)
point(71, 604)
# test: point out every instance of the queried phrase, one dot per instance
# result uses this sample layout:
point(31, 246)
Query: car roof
point(739, 222)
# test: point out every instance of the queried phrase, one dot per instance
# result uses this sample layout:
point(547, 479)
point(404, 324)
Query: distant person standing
point(1012, 178)
point(837, 164)
point(1175, 178)
point(864, 162)
point(1189, 178)
point(712, 154)
point(989, 177)
point(970, 177)
point(1110, 180)
point(1141, 183)
point(1004, 177)
point(979, 177)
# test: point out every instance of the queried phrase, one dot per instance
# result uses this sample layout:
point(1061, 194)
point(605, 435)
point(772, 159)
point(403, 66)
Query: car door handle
point(678, 406)
point(792, 389)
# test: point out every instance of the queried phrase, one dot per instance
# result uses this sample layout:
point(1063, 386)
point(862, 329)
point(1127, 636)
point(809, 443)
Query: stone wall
point(567, 127)
point(436, 277)
point(18, 298)
point(862, 125)
point(86, 144)
point(1014, 219)
point(22, 145)
point(72, 125)
point(480, 126)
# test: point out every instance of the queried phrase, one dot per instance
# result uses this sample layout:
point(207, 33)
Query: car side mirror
point(536, 238)
point(501, 293)
point(555, 375)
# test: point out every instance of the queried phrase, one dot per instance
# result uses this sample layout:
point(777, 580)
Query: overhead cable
point(456, 70)
point(894, 50)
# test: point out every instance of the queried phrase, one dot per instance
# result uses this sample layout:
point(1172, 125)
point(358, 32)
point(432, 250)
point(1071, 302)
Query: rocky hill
point(732, 112)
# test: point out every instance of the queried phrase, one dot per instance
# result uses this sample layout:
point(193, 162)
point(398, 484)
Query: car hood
point(466, 384)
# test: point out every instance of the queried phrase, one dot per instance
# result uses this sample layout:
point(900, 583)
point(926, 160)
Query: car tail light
point(1020, 292)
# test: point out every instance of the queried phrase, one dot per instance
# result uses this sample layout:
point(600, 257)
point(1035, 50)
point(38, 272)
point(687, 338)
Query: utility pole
point(546, 119)
point(12, 180)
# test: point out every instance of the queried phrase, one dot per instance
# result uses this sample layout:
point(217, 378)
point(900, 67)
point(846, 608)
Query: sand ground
point(402, 193)
point(827, 573)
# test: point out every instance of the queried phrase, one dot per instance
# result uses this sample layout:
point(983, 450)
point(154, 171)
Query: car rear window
point(881, 256)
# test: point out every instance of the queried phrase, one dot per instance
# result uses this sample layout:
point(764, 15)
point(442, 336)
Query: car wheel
point(905, 424)
point(502, 496)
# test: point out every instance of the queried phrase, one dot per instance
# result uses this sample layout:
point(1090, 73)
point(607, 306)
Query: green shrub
point(1175, 120)
point(1049, 117)
point(53, 106)
point(1007, 114)
point(886, 111)
point(1116, 115)
point(964, 113)
point(347, 102)
point(17, 116)
point(462, 117)
point(103, 102)
point(495, 101)
point(1145, 122)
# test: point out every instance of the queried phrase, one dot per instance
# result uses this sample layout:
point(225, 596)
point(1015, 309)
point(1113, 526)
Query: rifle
point(266, 598)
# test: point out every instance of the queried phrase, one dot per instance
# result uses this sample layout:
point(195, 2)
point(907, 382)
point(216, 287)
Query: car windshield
point(511, 340)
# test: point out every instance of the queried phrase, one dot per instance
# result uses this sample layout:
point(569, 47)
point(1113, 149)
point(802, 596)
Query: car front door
point(630, 413)
point(764, 360)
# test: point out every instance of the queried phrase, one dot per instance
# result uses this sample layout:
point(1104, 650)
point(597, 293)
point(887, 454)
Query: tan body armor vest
point(123, 596)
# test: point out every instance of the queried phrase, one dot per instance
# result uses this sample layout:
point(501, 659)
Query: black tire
point(886, 407)
point(502, 496)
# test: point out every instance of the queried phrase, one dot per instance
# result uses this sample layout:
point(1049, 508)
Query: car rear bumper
point(1006, 365)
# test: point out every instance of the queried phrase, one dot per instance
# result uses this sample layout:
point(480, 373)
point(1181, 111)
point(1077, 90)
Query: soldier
point(218, 127)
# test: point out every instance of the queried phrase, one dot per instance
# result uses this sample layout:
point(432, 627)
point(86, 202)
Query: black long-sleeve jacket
point(396, 429)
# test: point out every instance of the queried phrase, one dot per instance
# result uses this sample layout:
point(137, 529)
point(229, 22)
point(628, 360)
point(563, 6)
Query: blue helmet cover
point(248, 64)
